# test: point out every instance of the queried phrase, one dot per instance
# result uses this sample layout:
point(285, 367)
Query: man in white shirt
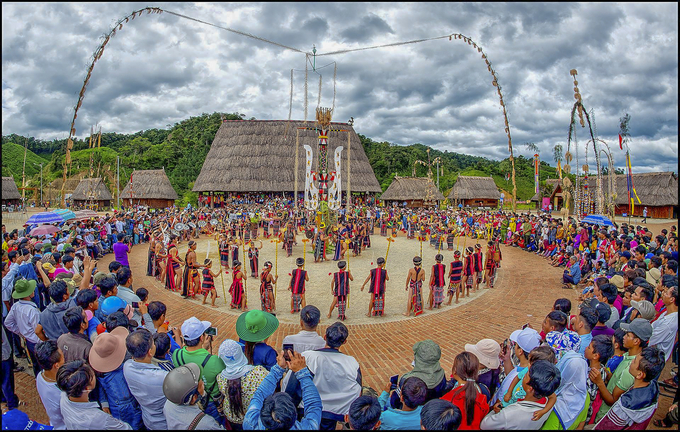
point(145, 379)
point(337, 377)
point(308, 338)
point(50, 358)
point(665, 327)
point(24, 317)
point(541, 381)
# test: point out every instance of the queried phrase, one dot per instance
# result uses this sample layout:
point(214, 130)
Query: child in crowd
point(599, 351)
point(619, 352)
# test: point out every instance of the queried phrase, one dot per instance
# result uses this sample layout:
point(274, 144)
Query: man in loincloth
point(437, 283)
point(377, 276)
point(289, 239)
point(340, 290)
point(478, 264)
point(191, 280)
point(266, 289)
point(414, 285)
point(297, 286)
point(173, 277)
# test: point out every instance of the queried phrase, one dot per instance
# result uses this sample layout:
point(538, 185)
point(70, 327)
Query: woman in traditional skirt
point(468, 270)
point(254, 258)
point(449, 240)
point(383, 227)
point(297, 286)
point(266, 290)
point(319, 246)
point(173, 277)
point(337, 237)
point(478, 259)
point(414, 284)
point(208, 284)
point(233, 246)
point(410, 229)
point(238, 300)
point(437, 283)
point(340, 290)
point(224, 251)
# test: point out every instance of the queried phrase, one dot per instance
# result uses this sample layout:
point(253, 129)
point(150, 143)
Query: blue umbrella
point(65, 214)
point(597, 220)
point(44, 218)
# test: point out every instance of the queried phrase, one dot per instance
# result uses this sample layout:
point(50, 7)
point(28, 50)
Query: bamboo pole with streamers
point(245, 281)
point(389, 242)
point(224, 293)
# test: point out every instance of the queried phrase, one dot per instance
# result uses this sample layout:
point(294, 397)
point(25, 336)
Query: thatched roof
point(553, 182)
point(71, 184)
point(412, 188)
point(91, 188)
point(255, 156)
point(9, 189)
point(469, 187)
point(149, 184)
point(653, 189)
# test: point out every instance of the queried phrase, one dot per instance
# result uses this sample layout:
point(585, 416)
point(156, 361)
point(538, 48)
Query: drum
point(192, 225)
point(202, 223)
point(214, 222)
point(309, 234)
point(178, 227)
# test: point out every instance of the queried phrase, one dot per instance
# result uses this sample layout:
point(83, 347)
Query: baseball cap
point(640, 327)
point(645, 308)
point(193, 328)
point(527, 338)
point(16, 419)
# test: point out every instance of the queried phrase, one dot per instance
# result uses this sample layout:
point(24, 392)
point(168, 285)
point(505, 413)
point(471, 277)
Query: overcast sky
point(161, 69)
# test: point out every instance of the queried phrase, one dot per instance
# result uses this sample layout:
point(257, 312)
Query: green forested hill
point(182, 150)
point(13, 161)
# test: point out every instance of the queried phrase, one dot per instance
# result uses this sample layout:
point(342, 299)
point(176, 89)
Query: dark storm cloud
point(161, 69)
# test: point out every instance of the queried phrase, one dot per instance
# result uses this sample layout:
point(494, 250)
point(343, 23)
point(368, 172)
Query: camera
point(211, 331)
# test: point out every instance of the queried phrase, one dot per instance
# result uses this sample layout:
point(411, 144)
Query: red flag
point(620, 142)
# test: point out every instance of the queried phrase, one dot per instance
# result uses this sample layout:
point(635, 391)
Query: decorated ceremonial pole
point(276, 263)
point(304, 252)
point(389, 242)
point(245, 280)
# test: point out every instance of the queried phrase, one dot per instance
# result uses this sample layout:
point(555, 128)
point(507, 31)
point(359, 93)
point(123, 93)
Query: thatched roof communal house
point(91, 192)
point(150, 188)
point(415, 191)
point(10, 192)
point(258, 156)
point(475, 192)
point(52, 192)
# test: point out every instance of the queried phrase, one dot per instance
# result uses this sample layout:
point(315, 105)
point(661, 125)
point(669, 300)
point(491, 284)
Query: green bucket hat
point(98, 277)
point(23, 288)
point(256, 325)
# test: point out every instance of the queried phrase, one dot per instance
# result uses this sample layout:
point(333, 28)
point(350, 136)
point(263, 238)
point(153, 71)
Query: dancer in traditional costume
point(173, 277)
point(414, 284)
point(151, 256)
point(339, 244)
point(493, 257)
point(191, 280)
point(377, 277)
point(161, 261)
point(449, 240)
point(340, 290)
point(319, 246)
point(478, 260)
point(224, 251)
point(369, 231)
point(297, 286)
point(233, 247)
point(410, 230)
point(468, 270)
point(208, 284)
point(289, 239)
point(437, 283)
point(455, 275)
point(383, 227)
point(254, 258)
point(266, 289)
point(238, 300)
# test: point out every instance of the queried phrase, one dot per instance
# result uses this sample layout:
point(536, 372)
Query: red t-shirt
point(457, 397)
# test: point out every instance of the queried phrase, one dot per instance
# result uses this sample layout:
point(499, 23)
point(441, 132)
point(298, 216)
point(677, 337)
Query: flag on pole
point(536, 164)
point(620, 142)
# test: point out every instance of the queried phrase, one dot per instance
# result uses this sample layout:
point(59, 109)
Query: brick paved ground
point(526, 289)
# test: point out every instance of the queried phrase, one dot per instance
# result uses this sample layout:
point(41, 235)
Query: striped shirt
point(456, 271)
